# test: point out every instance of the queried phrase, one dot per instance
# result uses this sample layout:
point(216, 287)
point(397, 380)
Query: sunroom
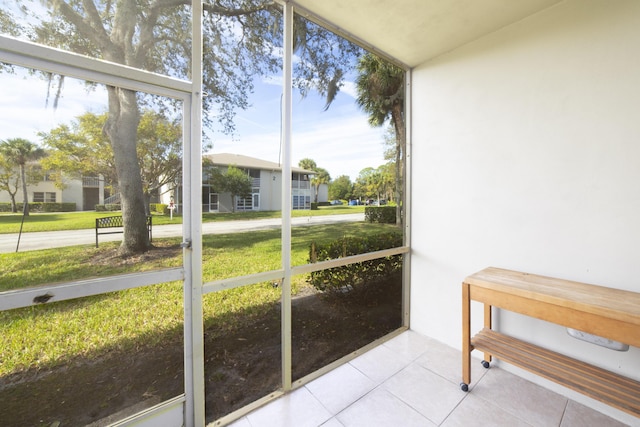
point(520, 122)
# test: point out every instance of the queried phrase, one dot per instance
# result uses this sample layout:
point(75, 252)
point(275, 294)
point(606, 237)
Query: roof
point(415, 31)
point(240, 161)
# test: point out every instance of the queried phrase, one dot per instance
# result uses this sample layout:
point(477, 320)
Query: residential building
point(266, 186)
point(85, 193)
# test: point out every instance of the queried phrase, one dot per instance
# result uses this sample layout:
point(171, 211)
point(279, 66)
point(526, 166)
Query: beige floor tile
point(333, 423)
point(530, 402)
point(429, 394)
point(409, 345)
point(578, 415)
point(340, 388)
point(447, 362)
point(380, 363)
point(382, 409)
point(384, 388)
point(242, 422)
point(296, 409)
point(474, 411)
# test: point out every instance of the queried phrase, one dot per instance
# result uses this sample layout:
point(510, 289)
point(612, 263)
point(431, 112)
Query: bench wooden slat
point(606, 312)
point(597, 383)
point(117, 222)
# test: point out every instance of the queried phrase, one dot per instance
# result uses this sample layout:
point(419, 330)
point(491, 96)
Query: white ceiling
point(414, 31)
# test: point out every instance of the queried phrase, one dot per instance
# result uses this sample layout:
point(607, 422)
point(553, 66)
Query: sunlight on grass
point(19, 270)
point(35, 337)
point(53, 334)
point(10, 223)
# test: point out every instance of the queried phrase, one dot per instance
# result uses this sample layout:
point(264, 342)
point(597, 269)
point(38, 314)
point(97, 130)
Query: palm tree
point(321, 177)
point(380, 87)
point(20, 151)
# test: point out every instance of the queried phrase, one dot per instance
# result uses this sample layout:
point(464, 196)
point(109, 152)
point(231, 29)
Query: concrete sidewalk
point(57, 239)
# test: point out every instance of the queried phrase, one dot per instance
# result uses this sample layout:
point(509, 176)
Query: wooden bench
point(605, 312)
point(111, 222)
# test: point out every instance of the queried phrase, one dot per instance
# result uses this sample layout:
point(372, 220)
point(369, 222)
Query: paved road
point(57, 239)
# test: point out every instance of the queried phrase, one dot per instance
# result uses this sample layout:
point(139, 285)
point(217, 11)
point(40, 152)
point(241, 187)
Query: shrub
point(380, 214)
point(108, 207)
point(40, 207)
point(314, 206)
point(58, 207)
point(33, 207)
point(356, 275)
point(159, 208)
point(5, 207)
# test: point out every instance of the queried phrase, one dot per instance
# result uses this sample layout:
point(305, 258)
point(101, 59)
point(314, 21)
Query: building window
point(301, 202)
point(244, 203)
point(47, 197)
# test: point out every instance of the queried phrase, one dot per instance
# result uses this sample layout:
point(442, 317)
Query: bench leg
point(487, 325)
point(466, 338)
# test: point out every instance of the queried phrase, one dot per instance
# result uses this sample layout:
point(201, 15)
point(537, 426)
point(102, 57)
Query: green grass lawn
point(10, 223)
point(53, 334)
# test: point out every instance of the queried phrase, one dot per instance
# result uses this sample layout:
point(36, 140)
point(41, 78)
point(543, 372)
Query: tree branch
point(212, 7)
point(93, 30)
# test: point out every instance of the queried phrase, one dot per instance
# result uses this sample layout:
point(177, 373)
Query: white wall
point(323, 193)
point(72, 193)
point(270, 190)
point(526, 155)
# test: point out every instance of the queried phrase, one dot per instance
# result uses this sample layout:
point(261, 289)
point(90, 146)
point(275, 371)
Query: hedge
point(160, 208)
point(356, 275)
point(108, 207)
point(380, 214)
point(40, 207)
point(6, 207)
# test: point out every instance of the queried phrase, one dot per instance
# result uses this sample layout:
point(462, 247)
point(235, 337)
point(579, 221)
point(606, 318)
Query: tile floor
point(413, 380)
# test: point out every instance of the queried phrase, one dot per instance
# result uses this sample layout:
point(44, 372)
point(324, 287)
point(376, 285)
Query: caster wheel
point(485, 364)
point(464, 387)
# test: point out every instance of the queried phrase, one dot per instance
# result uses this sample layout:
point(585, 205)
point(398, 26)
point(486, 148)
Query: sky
point(339, 140)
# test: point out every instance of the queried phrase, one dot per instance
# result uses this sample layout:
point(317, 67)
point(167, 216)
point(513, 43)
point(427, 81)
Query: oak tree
point(241, 40)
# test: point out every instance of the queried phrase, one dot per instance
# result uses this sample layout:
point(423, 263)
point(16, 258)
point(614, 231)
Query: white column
point(192, 230)
point(286, 194)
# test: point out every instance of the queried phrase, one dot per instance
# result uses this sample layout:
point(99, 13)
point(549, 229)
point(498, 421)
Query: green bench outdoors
point(111, 222)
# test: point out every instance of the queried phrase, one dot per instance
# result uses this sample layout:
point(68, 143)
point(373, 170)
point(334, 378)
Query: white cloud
point(349, 88)
point(339, 139)
point(342, 146)
point(24, 111)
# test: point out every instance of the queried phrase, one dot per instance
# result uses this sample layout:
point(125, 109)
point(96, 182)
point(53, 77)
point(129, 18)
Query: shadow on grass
point(242, 360)
point(302, 236)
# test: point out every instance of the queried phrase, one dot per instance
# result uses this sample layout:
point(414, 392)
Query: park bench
point(111, 222)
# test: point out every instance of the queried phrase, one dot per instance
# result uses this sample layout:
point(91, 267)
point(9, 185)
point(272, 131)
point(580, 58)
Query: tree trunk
point(14, 206)
point(398, 123)
point(147, 203)
point(25, 195)
point(122, 129)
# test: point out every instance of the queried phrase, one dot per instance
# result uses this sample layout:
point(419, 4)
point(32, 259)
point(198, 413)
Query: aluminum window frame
point(189, 408)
